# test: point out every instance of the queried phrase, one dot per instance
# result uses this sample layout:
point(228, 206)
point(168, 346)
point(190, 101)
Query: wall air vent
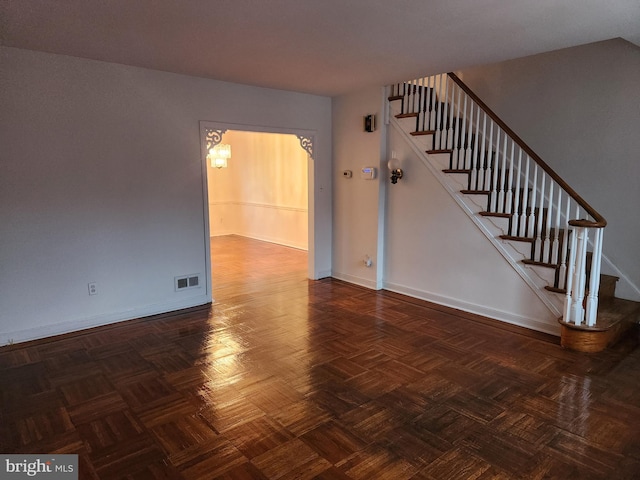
point(185, 282)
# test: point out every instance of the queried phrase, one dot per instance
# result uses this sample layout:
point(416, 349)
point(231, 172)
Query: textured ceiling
point(326, 47)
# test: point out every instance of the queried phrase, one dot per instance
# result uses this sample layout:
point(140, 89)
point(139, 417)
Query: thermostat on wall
point(368, 173)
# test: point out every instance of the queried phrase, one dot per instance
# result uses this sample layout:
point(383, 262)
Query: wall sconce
point(219, 155)
point(394, 168)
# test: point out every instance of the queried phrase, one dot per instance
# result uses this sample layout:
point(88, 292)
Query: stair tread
point(395, 97)
point(455, 170)
point(517, 239)
point(406, 115)
point(610, 313)
point(604, 279)
point(539, 264)
point(550, 288)
point(617, 309)
point(476, 192)
point(496, 214)
point(423, 132)
point(444, 150)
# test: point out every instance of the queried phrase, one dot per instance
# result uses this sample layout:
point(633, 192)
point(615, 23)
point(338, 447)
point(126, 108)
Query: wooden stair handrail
point(599, 222)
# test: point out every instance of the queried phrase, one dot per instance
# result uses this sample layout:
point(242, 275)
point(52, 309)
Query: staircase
point(550, 235)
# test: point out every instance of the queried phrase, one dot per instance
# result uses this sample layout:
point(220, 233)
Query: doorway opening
point(262, 192)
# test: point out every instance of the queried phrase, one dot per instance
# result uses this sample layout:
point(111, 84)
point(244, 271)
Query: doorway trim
point(211, 131)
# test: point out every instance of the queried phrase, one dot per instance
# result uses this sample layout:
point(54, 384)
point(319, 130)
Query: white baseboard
point(268, 239)
point(322, 274)
point(550, 327)
point(363, 282)
point(60, 328)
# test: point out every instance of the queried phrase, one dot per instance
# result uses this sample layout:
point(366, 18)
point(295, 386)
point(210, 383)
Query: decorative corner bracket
point(306, 143)
point(213, 137)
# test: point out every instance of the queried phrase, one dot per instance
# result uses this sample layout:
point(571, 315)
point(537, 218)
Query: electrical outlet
point(93, 288)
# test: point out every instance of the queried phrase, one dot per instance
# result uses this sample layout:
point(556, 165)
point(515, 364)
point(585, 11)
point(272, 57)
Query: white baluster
point(459, 115)
point(562, 271)
point(445, 113)
point(444, 140)
point(579, 277)
point(556, 237)
point(534, 192)
point(418, 99)
point(474, 163)
point(504, 183)
point(546, 244)
point(516, 201)
point(444, 132)
point(468, 154)
point(571, 269)
point(408, 97)
point(432, 101)
point(509, 201)
point(488, 172)
point(537, 255)
point(422, 88)
point(483, 152)
point(524, 214)
point(454, 115)
point(464, 139)
point(425, 104)
point(594, 281)
point(436, 135)
point(494, 181)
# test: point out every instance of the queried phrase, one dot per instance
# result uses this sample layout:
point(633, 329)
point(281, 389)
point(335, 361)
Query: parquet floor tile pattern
point(286, 378)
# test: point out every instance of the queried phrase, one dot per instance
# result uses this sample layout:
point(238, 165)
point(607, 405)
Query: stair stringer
point(536, 278)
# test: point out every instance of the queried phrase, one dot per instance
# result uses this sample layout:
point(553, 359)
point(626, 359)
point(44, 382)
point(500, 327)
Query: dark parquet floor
point(285, 378)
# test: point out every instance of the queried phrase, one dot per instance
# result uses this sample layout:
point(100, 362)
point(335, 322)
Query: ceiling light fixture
point(219, 155)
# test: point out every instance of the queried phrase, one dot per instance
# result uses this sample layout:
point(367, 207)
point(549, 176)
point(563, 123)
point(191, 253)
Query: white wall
point(578, 108)
point(262, 193)
point(357, 206)
point(101, 181)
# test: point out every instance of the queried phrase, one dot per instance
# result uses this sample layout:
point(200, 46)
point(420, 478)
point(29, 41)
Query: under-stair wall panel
point(433, 251)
